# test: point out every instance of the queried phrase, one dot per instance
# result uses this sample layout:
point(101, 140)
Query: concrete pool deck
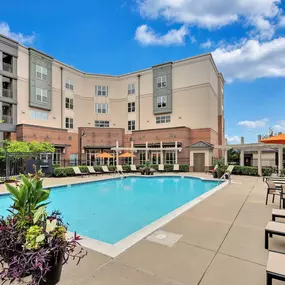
point(221, 243)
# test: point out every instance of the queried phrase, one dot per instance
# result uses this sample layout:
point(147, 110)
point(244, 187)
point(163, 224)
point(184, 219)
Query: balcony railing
point(7, 93)
point(7, 67)
point(6, 119)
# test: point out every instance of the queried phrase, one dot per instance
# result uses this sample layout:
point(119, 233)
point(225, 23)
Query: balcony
point(6, 119)
point(7, 93)
point(7, 67)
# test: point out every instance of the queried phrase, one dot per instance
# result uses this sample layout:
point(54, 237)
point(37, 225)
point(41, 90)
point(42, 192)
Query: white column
point(117, 153)
point(161, 154)
point(241, 158)
point(176, 153)
point(259, 162)
point(132, 152)
point(226, 157)
point(146, 151)
point(280, 159)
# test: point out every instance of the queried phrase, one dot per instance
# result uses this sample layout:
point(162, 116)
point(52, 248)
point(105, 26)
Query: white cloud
point(264, 29)
point(233, 139)
point(19, 37)
point(280, 127)
point(254, 124)
point(252, 59)
point(209, 13)
point(147, 36)
point(281, 21)
point(207, 44)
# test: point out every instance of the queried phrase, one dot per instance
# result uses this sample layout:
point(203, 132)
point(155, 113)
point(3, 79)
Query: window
point(131, 107)
point(155, 157)
point(131, 125)
point(56, 156)
point(161, 101)
point(69, 123)
point(163, 119)
point(131, 89)
point(170, 157)
point(41, 95)
point(69, 103)
point(101, 90)
point(69, 84)
point(161, 82)
point(39, 115)
point(102, 124)
point(41, 72)
point(101, 108)
point(7, 62)
point(142, 157)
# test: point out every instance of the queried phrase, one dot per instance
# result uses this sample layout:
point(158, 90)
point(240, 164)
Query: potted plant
point(147, 170)
point(33, 243)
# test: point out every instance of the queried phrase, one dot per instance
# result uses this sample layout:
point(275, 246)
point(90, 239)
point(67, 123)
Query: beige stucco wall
point(195, 96)
point(208, 156)
point(268, 159)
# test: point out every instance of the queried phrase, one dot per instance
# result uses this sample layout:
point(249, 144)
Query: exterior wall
point(268, 159)
point(208, 158)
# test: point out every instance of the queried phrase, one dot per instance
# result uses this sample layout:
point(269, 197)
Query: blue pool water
point(111, 210)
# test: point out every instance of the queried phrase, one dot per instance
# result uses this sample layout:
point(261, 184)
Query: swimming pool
point(111, 210)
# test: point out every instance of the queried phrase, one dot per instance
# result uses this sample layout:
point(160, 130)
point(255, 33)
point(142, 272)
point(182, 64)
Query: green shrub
point(282, 172)
point(184, 167)
point(126, 168)
point(97, 168)
point(267, 171)
point(60, 172)
point(83, 169)
point(111, 167)
point(69, 171)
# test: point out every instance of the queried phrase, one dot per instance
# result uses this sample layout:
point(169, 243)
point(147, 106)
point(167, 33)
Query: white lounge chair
point(176, 168)
point(77, 172)
point(227, 174)
point(134, 168)
point(105, 169)
point(120, 169)
point(161, 167)
point(91, 170)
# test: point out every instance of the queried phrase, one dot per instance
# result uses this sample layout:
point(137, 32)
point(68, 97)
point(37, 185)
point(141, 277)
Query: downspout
point(61, 94)
point(139, 102)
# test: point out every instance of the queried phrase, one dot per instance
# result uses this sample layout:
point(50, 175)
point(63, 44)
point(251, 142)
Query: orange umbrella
point(127, 154)
point(104, 155)
point(280, 139)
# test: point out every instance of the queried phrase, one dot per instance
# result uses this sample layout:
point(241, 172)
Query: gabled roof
point(200, 144)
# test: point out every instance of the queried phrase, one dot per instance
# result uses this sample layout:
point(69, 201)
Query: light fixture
point(63, 151)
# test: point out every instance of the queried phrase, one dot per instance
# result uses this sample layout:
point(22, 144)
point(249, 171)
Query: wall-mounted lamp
point(54, 117)
point(63, 151)
point(23, 112)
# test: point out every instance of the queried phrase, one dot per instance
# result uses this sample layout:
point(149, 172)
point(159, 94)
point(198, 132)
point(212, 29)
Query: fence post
point(64, 162)
point(7, 166)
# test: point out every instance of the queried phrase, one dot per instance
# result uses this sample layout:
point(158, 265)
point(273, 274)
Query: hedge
point(245, 170)
point(282, 172)
point(68, 171)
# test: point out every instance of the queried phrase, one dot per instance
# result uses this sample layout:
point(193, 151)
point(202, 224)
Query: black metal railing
point(8, 67)
point(7, 93)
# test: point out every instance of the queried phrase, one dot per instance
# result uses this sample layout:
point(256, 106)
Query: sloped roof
point(201, 144)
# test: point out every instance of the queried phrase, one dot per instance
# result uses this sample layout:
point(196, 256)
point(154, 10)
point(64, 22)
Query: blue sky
point(246, 37)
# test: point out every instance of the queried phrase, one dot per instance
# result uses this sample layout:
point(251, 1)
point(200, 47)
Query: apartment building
point(177, 106)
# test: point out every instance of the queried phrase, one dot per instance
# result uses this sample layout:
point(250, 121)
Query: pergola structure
point(258, 147)
point(133, 150)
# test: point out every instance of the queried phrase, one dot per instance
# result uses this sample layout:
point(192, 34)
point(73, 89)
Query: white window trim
point(131, 89)
point(100, 106)
point(161, 100)
point(69, 103)
point(102, 124)
point(160, 80)
point(43, 93)
point(69, 123)
point(69, 84)
point(132, 125)
point(101, 89)
point(158, 119)
point(42, 71)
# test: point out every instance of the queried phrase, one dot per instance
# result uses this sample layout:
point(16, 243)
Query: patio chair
point(91, 170)
point(278, 213)
point(119, 169)
point(161, 168)
point(105, 169)
point(134, 168)
point(227, 174)
point(77, 172)
point(275, 267)
point(210, 171)
point(273, 189)
point(273, 228)
point(176, 168)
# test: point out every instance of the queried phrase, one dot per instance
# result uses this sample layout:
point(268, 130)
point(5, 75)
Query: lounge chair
point(91, 170)
point(161, 168)
point(105, 169)
point(119, 169)
point(227, 174)
point(77, 172)
point(275, 267)
point(278, 213)
point(272, 189)
point(210, 171)
point(273, 228)
point(134, 168)
point(176, 168)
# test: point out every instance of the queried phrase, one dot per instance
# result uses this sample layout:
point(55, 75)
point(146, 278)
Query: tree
point(271, 133)
point(233, 155)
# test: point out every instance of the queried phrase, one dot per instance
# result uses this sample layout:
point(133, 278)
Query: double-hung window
point(161, 82)
point(161, 101)
point(131, 125)
point(101, 90)
point(69, 84)
point(69, 103)
point(41, 95)
point(69, 123)
point(41, 72)
point(131, 89)
point(131, 107)
point(170, 157)
point(101, 108)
